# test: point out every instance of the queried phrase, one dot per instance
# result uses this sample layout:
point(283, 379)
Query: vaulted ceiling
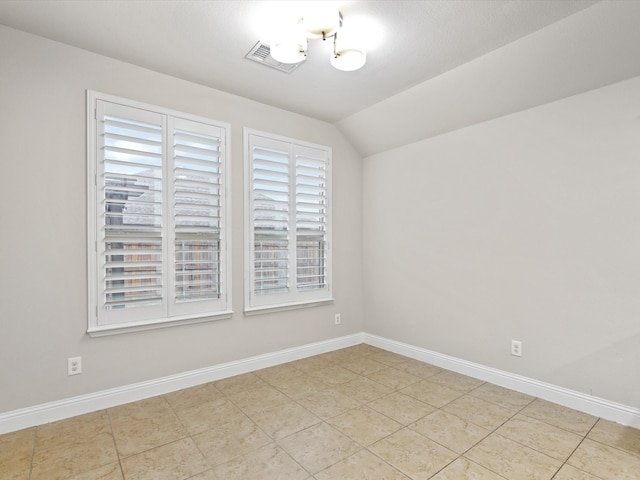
point(424, 57)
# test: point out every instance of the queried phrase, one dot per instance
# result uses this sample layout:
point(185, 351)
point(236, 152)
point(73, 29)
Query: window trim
point(302, 300)
point(93, 205)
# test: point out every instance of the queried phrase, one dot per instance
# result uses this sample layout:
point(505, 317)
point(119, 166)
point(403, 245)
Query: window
point(157, 216)
point(287, 222)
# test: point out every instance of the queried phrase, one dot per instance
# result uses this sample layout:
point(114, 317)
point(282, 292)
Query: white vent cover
point(261, 53)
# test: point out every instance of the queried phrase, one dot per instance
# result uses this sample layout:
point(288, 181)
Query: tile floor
point(356, 413)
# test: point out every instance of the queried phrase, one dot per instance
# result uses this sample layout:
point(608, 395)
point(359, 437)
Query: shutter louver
point(197, 215)
point(311, 219)
point(271, 198)
point(132, 186)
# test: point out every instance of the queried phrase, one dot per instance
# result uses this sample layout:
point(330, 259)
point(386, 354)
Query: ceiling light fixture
point(291, 45)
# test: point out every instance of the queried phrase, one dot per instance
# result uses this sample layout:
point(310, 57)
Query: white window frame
point(170, 312)
point(294, 298)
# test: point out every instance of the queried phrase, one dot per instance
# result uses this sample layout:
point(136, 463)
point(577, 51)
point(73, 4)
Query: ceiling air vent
point(261, 53)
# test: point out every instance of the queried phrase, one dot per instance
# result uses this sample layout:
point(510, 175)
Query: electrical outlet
point(74, 366)
point(516, 348)
point(337, 319)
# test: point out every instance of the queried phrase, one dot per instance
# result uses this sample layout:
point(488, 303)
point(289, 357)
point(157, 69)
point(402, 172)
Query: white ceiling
point(206, 41)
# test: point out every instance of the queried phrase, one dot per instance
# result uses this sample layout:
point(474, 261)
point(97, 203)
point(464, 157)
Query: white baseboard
point(598, 407)
point(58, 410)
point(50, 412)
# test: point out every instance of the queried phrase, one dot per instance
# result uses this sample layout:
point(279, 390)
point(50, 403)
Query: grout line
point(574, 451)
point(115, 444)
point(33, 451)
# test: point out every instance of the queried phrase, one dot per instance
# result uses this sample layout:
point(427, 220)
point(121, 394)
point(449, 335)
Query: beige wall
point(526, 227)
point(43, 263)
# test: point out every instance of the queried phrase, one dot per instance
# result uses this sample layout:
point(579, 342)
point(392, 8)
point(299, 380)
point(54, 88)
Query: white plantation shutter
point(311, 217)
point(157, 224)
point(130, 183)
point(270, 218)
point(287, 222)
point(197, 212)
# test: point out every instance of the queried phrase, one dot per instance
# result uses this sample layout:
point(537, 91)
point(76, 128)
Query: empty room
point(367, 240)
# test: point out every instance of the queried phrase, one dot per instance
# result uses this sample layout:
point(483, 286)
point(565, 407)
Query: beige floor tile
point(144, 425)
point(208, 415)
point(72, 430)
point(311, 364)
point(559, 416)
point(141, 435)
point(540, 436)
point(269, 462)
point(258, 399)
point(73, 446)
point(240, 383)
point(16, 450)
point(282, 420)
point(174, 461)
point(194, 396)
point(463, 469)
point(63, 461)
point(456, 381)
point(450, 431)
point(344, 355)
point(485, 414)
point(401, 408)
point(616, 435)
point(334, 375)
point(363, 465)
point(605, 462)
point(328, 403)
point(363, 365)
point(225, 442)
point(301, 385)
point(366, 349)
point(432, 393)
point(512, 460)
point(394, 378)
point(319, 447)
point(364, 425)
point(279, 373)
point(504, 397)
point(388, 358)
point(141, 410)
point(567, 472)
point(208, 475)
point(417, 368)
point(414, 455)
point(362, 389)
point(108, 472)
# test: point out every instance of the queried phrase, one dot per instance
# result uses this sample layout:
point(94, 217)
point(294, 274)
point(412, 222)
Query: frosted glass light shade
point(289, 50)
point(321, 21)
point(348, 59)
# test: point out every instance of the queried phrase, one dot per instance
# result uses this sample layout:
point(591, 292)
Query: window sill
point(249, 311)
point(104, 330)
